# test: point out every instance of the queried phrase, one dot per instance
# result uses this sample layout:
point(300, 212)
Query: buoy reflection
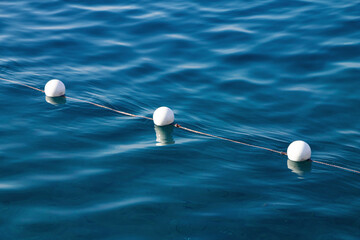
point(56, 100)
point(300, 168)
point(164, 135)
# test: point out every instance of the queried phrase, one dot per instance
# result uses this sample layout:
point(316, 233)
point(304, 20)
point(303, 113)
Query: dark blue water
point(265, 72)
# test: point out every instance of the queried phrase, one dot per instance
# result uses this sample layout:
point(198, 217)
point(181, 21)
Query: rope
point(227, 139)
point(22, 84)
point(181, 127)
point(80, 100)
point(337, 166)
point(109, 108)
point(255, 146)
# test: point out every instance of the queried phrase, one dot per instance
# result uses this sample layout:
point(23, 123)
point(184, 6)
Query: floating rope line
point(22, 84)
point(80, 100)
point(181, 127)
point(227, 139)
point(109, 108)
point(337, 166)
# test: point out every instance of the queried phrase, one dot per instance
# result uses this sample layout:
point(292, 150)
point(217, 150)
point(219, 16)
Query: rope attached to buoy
point(22, 84)
point(80, 100)
point(337, 166)
point(109, 108)
point(227, 139)
point(181, 127)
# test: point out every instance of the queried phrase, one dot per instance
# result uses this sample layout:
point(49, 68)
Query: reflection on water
point(56, 100)
point(300, 168)
point(164, 135)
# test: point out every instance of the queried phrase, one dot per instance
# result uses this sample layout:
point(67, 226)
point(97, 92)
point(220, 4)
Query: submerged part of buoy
point(54, 88)
point(56, 100)
point(164, 135)
point(163, 116)
point(299, 151)
point(300, 168)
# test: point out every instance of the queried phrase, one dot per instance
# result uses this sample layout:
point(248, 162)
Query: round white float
point(163, 116)
point(54, 88)
point(299, 151)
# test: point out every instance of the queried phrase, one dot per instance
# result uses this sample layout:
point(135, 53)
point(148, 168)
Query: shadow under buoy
point(164, 135)
point(300, 168)
point(56, 100)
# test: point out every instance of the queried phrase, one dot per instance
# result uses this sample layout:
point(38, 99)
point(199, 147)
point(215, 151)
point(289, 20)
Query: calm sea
point(265, 72)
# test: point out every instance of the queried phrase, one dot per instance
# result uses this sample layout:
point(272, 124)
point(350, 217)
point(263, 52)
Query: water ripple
point(263, 72)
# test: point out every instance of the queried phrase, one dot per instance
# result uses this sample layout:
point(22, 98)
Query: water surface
point(264, 72)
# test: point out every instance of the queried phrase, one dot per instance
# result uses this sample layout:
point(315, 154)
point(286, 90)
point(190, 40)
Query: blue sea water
point(265, 72)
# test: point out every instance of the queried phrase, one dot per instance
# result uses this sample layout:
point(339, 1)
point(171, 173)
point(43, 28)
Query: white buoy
point(54, 88)
point(163, 116)
point(299, 151)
